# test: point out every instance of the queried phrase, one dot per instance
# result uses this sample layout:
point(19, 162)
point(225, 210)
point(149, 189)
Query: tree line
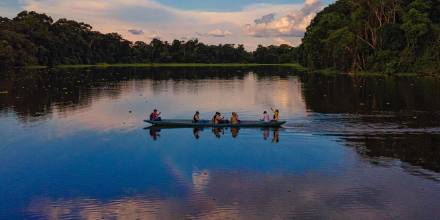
point(32, 38)
point(375, 35)
point(348, 35)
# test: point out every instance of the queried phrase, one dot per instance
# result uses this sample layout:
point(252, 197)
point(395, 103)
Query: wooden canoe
point(208, 123)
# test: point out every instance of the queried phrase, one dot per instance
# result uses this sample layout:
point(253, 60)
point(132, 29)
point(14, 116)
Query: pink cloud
point(291, 25)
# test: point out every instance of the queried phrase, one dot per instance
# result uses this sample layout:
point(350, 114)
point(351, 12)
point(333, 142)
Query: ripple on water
point(73, 146)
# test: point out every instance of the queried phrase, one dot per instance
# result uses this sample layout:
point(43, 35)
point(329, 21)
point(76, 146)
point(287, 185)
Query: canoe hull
point(205, 123)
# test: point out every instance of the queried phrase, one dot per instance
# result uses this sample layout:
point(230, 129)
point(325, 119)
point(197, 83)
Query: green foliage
point(316, 51)
point(35, 39)
point(392, 37)
point(375, 35)
point(15, 49)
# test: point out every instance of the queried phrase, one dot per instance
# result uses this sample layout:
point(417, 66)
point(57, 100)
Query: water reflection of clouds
point(200, 179)
point(302, 177)
point(129, 208)
point(374, 194)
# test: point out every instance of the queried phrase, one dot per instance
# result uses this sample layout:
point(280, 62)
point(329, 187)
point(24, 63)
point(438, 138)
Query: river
point(74, 145)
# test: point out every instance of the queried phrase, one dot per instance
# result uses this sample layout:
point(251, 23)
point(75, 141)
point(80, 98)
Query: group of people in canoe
point(219, 119)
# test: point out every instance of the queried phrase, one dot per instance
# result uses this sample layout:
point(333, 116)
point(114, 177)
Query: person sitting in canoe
point(196, 117)
point(234, 118)
point(266, 117)
point(276, 114)
point(155, 116)
point(217, 118)
point(214, 118)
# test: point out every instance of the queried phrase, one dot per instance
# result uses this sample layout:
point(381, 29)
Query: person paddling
point(155, 116)
point(276, 114)
point(217, 118)
point(196, 117)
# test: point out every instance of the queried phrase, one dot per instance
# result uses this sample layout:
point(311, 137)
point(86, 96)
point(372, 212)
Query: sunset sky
point(245, 22)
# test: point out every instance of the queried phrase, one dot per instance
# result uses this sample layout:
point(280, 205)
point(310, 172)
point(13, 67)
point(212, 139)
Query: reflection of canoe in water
point(206, 123)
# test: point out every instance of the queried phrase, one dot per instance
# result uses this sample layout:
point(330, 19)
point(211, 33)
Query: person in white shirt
point(266, 117)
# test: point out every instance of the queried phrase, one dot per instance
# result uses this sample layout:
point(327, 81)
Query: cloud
point(153, 35)
point(290, 25)
point(215, 33)
point(280, 41)
point(219, 33)
point(144, 35)
point(265, 19)
point(136, 32)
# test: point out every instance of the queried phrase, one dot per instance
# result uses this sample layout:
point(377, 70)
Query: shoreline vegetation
point(297, 67)
point(348, 36)
point(152, 65)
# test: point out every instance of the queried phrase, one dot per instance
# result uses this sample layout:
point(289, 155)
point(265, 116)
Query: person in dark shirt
point(196, 117)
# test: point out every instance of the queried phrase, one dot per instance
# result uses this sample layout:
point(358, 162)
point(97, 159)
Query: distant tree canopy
point(348, 35)
point(375, 35)
point(35, 39)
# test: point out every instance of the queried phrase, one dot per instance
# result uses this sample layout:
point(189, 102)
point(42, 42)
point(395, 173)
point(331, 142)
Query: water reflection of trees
point(417, 149)
point(411, 101)
point(347, 94)
point(35, 94)
point(405, 102)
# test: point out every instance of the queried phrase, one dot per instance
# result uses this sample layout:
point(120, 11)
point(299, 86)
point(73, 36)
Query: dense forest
point(35, 39)
point(349, 35)
point(375, 35)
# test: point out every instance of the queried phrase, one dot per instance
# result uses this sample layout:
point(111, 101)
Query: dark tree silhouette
point(35, 39)
point(386, 35)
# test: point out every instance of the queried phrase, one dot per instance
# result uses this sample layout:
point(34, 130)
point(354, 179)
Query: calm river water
point(74, 146)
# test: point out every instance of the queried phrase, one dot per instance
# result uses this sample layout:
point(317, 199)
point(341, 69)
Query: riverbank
point(295, 66)
point(195, 65)
point(332, 72)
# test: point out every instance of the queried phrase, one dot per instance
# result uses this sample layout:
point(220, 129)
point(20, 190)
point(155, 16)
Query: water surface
point(73, 145)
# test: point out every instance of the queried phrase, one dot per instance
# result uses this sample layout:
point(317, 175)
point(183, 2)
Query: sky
point(247, 22)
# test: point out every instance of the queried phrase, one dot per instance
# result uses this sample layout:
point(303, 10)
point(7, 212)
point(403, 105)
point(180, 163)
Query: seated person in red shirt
point(155, 116)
